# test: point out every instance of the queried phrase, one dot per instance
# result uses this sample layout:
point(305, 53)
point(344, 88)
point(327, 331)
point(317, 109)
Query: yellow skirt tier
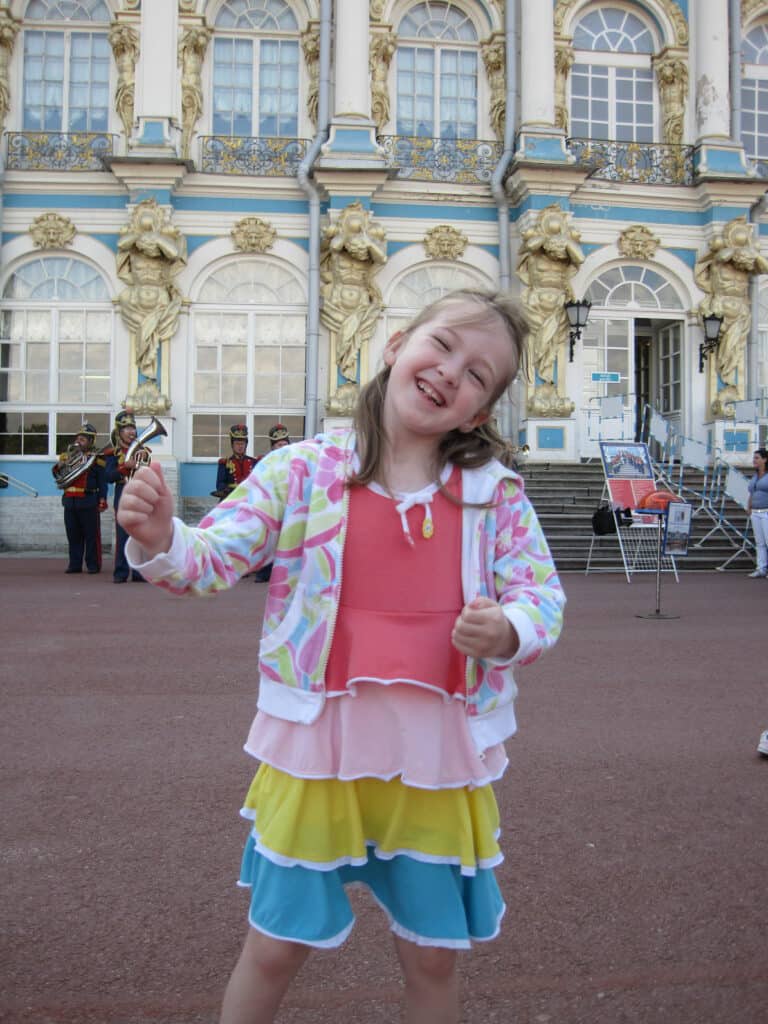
point(324, 823)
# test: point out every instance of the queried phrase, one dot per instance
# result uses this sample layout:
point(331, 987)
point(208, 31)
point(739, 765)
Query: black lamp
point(712, 325)
point(578, 314)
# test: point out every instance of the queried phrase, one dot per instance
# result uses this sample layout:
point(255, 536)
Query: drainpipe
point(510, 410)
point(312, 192)
point(753, 342)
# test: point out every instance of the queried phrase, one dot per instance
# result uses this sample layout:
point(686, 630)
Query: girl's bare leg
point(260, 979)
point(431, 983)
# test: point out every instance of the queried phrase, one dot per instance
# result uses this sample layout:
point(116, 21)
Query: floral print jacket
point(292, 511)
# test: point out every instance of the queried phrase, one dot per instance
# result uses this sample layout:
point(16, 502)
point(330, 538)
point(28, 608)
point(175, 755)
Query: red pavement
point(635, 813)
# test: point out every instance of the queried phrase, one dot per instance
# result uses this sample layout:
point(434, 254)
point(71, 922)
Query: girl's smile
point(445, 375)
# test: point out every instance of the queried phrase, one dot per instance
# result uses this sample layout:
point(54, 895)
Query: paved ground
point(635, 811)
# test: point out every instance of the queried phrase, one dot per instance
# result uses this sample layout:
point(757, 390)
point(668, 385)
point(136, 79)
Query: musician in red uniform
point(83, 499)
point(118, 470)
point(234, 468)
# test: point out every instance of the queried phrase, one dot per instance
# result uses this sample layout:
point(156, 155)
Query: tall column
point(717, 153)
point(157, 81)
point(540, 138)
point(352, 93)
point(351, 144)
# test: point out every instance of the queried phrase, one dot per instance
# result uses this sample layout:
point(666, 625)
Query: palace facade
point(216, 212)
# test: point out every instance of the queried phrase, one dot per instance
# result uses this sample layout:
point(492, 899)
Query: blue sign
point(607, 378)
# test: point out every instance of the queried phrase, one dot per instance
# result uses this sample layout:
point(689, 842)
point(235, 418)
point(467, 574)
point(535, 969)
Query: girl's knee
point(431, 964)
point(273, 956)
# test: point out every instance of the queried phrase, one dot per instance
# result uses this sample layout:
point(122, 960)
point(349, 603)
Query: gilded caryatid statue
point(723, 274)
point(192, 47)
point(382, 50)
point(9, 29)
point(672, 77)
point(124, 41)
point(150, 253)
point(549, 257)
point(352, 250)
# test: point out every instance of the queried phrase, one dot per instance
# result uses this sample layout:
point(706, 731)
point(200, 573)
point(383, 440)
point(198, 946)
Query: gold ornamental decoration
point(124, 41)
point(310, 47)
point(494, 58)
point(638, 243)
point(9, 29)
point(445, 242)
point(382, 50)
point(52, 231)
point(252, 234)
point(377, 10)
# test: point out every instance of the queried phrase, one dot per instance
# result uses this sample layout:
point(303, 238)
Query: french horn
point(138, 450)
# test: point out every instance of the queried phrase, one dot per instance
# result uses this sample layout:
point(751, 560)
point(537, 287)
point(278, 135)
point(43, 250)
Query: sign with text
point(606, 378)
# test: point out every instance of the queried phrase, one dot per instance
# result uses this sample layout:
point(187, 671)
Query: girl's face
point(445, 375)
point(759, 462)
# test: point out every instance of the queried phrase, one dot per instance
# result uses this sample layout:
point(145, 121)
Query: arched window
point(437, 73)
point(633, 287)
point(256, 70)
point(249, 353)
point(67, 63)
point(56, 327)
point(421, 286)
point(754, 95)
point(612, 93)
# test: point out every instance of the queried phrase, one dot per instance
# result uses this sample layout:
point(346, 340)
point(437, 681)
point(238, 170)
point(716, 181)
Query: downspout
point(312, 192)
point(756, 211)
point(510, 410)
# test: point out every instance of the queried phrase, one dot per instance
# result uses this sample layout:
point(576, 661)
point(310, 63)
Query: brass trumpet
point(138, 450)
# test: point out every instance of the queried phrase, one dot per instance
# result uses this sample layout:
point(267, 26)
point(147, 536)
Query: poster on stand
point(677, 529)
point(629, 476)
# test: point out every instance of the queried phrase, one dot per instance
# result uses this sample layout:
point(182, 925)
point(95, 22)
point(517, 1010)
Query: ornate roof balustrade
point(642, 163)
point(261, 157)
point(459, 161)
point(58, 151)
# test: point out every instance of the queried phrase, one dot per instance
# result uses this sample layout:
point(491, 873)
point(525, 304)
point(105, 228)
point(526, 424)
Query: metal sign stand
point(658, 614)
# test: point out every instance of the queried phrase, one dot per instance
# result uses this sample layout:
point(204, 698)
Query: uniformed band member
point(117, 472)
point(278, 437)
point(83, 499)
point(234, 468)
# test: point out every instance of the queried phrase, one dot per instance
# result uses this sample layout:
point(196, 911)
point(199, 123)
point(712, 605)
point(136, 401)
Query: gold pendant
point(427, 529)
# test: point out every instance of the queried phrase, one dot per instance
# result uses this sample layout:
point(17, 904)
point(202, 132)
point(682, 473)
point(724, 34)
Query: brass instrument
point(138, 450)
point(76, 462)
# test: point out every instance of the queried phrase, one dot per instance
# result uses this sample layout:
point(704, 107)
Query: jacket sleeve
point(525, 578)
point(238, 535)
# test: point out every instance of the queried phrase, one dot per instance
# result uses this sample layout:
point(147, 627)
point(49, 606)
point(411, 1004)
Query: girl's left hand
point(483, 631)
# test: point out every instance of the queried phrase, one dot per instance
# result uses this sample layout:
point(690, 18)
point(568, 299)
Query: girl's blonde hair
point(465, 449)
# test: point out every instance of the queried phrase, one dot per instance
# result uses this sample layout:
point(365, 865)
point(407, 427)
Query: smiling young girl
point(410, 576)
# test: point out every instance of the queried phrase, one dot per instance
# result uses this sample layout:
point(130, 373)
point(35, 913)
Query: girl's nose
point(449, 370)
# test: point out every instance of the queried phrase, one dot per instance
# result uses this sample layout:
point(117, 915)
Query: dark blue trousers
point(81, 521)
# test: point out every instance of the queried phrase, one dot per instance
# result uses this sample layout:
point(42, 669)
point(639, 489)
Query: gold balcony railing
point(458, 161)
point(58, 151)
point(265, 157)
point(644, 163)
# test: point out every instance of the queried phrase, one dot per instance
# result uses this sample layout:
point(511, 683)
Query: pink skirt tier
point(381, 731)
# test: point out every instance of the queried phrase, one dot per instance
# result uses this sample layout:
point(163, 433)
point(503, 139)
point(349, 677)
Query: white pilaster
point(711, 62)
point(539, 139)
point(351, 48)
point(157, 80)
point(537, 65)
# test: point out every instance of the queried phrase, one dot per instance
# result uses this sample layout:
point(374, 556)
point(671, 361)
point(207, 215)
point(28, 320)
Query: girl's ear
point(392, 347)
point(476, 421)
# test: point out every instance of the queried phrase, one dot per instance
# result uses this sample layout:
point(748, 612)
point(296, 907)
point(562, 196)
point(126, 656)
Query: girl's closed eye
point(479, 379)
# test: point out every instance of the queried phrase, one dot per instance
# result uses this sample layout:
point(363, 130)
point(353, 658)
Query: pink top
point(401, 593)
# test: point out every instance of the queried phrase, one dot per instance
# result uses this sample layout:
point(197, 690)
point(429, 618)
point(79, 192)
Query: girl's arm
point(528, 590)
point(237, 536)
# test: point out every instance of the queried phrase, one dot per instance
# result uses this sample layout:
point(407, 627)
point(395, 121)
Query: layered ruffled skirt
point(425, 848)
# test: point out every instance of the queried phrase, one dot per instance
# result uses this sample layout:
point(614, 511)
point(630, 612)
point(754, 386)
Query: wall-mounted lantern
point(712, 325)
point(578, 314)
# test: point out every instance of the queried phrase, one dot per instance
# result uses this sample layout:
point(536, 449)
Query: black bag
point(603, 520)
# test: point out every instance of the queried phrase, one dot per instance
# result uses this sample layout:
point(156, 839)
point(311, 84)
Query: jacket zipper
point(335, 614)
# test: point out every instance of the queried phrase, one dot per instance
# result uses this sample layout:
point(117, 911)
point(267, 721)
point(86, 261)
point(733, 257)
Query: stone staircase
point(566, 494)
